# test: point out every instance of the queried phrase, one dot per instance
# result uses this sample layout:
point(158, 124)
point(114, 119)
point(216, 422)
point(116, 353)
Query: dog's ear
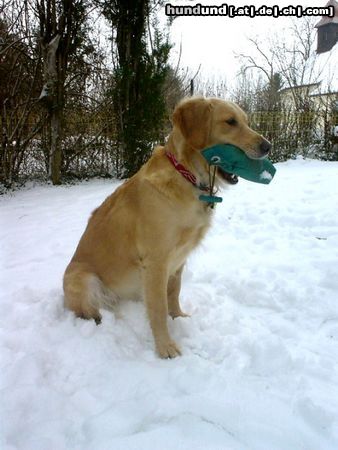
point(193, 118)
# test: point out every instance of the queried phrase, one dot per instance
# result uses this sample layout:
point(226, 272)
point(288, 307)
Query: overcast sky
point(213, 41)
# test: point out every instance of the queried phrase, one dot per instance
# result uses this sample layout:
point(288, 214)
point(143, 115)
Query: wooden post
point(191, 87)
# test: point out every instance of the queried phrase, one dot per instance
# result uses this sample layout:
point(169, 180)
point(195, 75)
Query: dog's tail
point(85, 293)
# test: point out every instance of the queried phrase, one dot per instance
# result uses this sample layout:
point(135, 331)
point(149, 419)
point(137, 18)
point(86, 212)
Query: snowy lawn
point(260, 352)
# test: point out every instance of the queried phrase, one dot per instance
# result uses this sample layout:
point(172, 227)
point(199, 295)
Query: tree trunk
point(50, 96)
point(55, 157)
point(130, 47)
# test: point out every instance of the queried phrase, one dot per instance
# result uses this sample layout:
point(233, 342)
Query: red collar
point(185, 172)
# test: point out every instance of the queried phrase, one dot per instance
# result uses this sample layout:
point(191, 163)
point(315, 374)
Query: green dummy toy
point(233, 160)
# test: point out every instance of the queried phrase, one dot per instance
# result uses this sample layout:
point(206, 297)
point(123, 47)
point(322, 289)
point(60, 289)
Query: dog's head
point(204, 122)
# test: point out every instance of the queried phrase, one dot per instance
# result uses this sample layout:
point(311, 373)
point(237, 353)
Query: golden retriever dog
point(137, 242)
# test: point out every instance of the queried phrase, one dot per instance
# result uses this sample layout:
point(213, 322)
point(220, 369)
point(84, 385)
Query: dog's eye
point(231, 121)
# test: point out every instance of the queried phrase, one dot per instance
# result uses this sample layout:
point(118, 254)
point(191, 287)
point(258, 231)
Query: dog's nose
point(265, 147)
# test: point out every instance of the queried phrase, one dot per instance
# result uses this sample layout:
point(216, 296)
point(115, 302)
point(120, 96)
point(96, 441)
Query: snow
point(260, 351)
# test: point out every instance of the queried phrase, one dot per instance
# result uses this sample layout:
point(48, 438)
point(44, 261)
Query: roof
point(319, 94)
point(326, 19)
point(300, 86)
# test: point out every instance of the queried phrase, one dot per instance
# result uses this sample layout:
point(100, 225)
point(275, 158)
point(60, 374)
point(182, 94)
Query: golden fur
point(136, 243)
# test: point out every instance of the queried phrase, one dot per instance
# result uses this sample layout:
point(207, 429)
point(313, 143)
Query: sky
point(213, 42)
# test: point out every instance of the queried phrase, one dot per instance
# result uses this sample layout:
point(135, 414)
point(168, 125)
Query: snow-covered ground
point(260, 351)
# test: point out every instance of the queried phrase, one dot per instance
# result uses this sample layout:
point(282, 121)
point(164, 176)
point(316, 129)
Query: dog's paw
point(168, 349)
point(97, 317)
point(175, 314)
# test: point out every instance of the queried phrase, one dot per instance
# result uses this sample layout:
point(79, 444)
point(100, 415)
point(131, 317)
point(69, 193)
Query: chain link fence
point(310, 134)
point(90, 146)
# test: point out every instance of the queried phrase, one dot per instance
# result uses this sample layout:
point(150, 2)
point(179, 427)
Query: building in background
point(327, 27)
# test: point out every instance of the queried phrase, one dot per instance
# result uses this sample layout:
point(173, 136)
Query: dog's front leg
point(174, 288)
point(155, 281)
